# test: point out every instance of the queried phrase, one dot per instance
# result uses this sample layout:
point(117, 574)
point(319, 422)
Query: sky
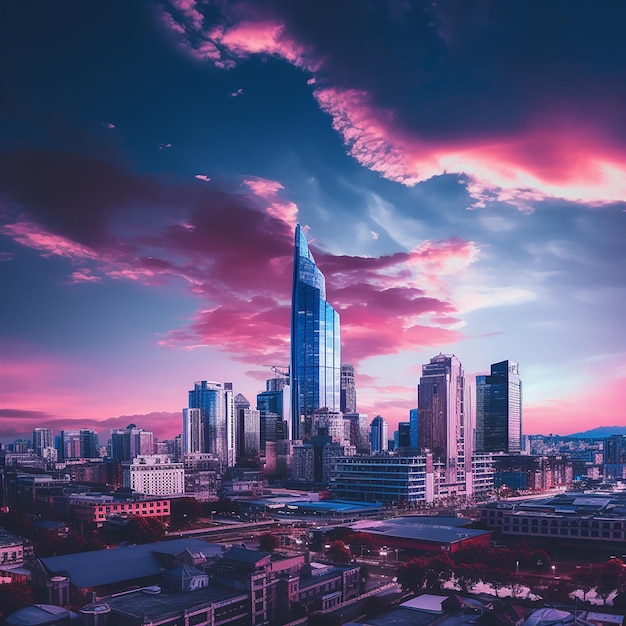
point(459, 167)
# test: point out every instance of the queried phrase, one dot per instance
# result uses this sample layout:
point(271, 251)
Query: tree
point(268, 542)
point(610, 577)
point(438, 572)
point(469, 574)
point(584, 581)
point(497, 578)
point(184, 511)
point(143, 530)
point(411, 575)
point(15, 596)
point(339, 552)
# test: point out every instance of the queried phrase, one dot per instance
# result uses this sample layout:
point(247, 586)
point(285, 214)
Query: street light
point(517, 567)
point(554, 571)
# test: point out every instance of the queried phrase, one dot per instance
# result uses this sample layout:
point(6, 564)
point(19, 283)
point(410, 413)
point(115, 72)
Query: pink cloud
point(6, 256)
point(282, 210)
point(203, 177)
point(31, 235)
point(84, 275)
point(547, 160)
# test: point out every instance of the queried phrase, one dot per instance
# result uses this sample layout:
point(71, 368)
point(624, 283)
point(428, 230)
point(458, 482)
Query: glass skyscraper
point(499, 409)
point(315, 367)
point(217, 414)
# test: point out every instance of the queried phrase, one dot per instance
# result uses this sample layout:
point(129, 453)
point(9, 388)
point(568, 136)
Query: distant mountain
point(600, 431)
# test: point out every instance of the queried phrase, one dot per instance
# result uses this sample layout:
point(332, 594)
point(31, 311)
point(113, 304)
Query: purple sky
point(460, 167)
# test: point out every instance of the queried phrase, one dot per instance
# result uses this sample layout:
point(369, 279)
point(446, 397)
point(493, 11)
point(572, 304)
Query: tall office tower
point(217, 413)
point(248, 430)
point(499, 409)
point(129, 442)
point(378, 435)
point(402, 436)
point(330, 423)
point(42, 438)
point(69, 445)
point(315, 368)
point(614, 450)
point(357, 431)
point(413, 421)
point(89, 446)
point(348, 389)
point(441, 407)
point(193, 433)
point(274, 407)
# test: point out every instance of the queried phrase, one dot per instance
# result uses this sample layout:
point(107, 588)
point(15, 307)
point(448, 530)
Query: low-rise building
point(154, 474)
point(96, 509)
point(596, 517)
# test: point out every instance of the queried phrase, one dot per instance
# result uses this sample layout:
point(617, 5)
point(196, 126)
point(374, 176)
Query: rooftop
point(157, 604)
point(105, 567)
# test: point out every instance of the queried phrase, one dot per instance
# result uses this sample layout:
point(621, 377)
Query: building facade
point(129, 442)
point(315, 368)
point(217, 414)
point(441, 408)
point(154, 475)
point(389, 479)
point(348, 389)
point(379, 435)
point(499, 409)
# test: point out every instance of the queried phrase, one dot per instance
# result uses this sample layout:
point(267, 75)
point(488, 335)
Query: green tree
point(268, 542)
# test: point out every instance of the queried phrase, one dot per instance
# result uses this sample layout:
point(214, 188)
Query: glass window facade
point(499, 409)
point(315, 368)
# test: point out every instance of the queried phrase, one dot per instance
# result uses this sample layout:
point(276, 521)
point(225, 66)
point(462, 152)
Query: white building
point(155, 475)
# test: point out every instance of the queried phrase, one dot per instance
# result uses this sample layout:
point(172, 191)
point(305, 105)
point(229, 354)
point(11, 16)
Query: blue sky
point(460, 166)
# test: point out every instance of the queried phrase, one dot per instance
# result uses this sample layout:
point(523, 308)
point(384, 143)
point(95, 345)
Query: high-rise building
point(193, 432)
point(348, 389)
point(274, 408)
point(441, 408)
point(248, 427)
point(499, 409)
point(413, 421)
point(315, 368)
point(379, 435)
point(614, 450)
point(89, 446)
point(402, 436)
point(42, 438)
point(357, 431)
point(154, 474)
point(129, 442)
point(217, 413)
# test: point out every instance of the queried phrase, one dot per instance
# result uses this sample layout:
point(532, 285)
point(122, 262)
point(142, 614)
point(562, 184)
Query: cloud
point(522, 103)
point(235, 94)
point(234, 251)
point(374, 234)
point(6, 256)
point(203, 177)
point(108, 125)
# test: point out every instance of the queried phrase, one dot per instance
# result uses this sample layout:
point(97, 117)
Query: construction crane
point(279, 370)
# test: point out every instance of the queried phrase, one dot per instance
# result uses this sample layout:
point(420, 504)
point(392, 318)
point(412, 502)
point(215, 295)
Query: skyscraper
point(441, 409)
point(315, 374)
point(217, 413)
point(248, 429)
point(413, 421)
point(129, 442)
point(379, 434)
point(499, 409)
point(42, 438)
point(193, 432)
point(348, 389)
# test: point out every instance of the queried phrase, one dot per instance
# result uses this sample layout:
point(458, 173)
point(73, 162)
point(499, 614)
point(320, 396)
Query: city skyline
point(458, 169)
